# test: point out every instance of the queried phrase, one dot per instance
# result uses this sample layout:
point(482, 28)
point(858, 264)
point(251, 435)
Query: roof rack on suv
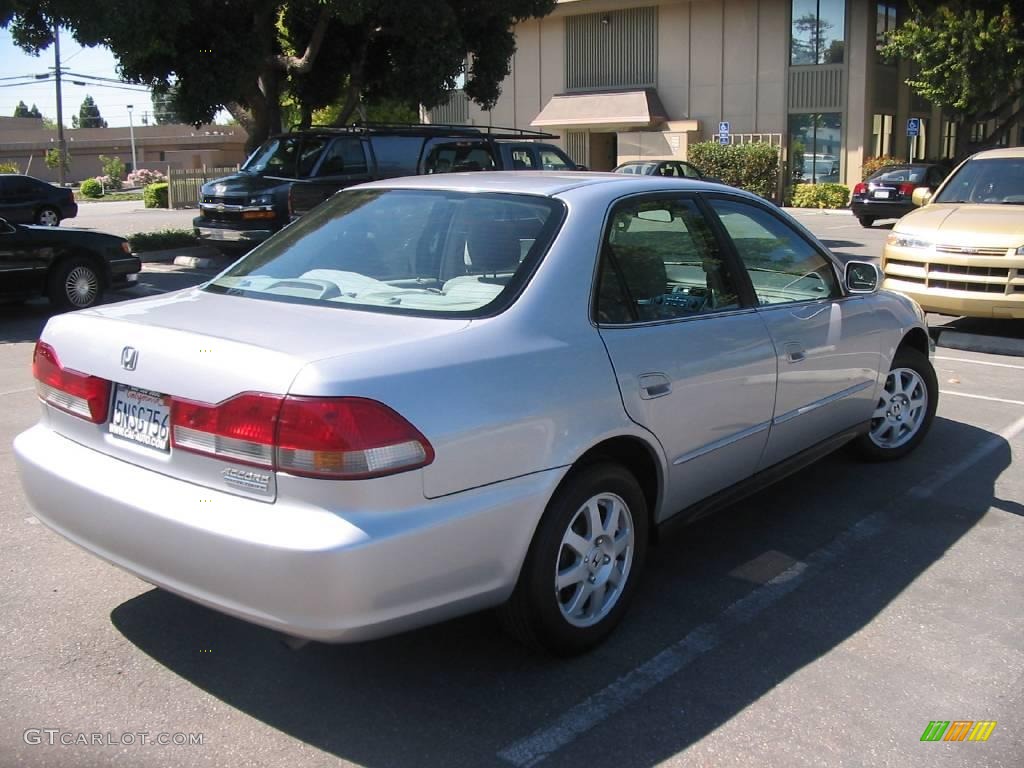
point(494, 131)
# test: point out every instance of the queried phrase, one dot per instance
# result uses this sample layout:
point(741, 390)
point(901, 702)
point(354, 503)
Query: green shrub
point(91, 188)
point(162, 240)
point(114, 168)
point(821, 196)
point(9, 168)
point(872, 164)
point(753, 167)
point(155, 195)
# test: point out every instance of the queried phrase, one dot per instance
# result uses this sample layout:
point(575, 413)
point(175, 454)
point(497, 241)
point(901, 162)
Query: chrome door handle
point(795, 352)
point(654, 385)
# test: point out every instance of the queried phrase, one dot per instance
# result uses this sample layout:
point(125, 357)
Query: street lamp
point(131, 130)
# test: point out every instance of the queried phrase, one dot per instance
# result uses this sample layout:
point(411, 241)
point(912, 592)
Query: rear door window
point(553, 160)
point(459, 156)
point(344, 156)
point(396, 155)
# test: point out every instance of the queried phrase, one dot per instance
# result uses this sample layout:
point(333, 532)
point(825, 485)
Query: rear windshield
point(998, 180)
point(427, 252)
point(900, 176)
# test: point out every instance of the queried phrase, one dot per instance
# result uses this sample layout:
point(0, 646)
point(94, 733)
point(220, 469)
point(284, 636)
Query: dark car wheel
point(583, 564)
point(75, 284)
point(866, 221)
point(905, 408)
point(48, 217)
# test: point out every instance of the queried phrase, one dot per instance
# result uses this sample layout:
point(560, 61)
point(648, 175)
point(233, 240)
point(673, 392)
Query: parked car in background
point(674, 169)
point(962, 253)
point(887, 193)
point(438, 394)
point(291, 174)
point(28, 200)
point(817, 169)
point(73, 267)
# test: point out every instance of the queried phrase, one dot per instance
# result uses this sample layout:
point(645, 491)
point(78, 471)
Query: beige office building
point(624, 79)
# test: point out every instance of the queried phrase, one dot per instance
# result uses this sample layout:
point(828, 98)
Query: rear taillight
point(347, 437)
point(84, 396)
point(240, 429)
point(907, 189)
point(343, 438)
point(860, 188)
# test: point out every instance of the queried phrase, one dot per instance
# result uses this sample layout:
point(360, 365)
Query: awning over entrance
point(605, 111)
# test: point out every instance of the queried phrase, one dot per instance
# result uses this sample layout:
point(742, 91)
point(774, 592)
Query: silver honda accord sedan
point(440, 394)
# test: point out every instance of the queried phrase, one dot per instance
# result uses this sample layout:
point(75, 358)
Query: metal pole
point(61, 147)
point(131, 130)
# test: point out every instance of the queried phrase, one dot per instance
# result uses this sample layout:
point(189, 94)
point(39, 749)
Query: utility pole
point(131, 130)
point(61, 147)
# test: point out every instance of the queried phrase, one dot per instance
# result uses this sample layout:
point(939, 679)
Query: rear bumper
point(323, 574)
point(881, 209)
point(124, 270)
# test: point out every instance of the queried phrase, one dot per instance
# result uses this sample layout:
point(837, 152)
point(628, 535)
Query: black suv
point(292, 173)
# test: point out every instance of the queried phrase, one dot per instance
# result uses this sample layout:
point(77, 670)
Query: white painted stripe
point(16, 391)
point(616, 696)
point(941, 477)
point(979, 362)
point(980, 397)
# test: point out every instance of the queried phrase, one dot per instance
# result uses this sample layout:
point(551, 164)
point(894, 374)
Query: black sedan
point(673, 169)
point(887, 193)
point(71, 266)
point(27, 200)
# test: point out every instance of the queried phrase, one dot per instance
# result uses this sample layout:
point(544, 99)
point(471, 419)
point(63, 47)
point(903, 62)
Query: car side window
point(660, 261)
point(552, 161)
point(688, 171)
point(782, 265)
point(457, 157)
point(522, 160)
point(342, 157)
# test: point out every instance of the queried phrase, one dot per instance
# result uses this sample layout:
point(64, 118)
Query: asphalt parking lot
point(825, 621)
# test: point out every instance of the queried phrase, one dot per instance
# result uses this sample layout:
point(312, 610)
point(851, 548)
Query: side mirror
point(581, 167)
point(921, 196)
point(862, 277)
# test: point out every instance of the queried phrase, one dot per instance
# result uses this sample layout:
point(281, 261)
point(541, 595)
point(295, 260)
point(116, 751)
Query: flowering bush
point(144, 177)
point(105, 181)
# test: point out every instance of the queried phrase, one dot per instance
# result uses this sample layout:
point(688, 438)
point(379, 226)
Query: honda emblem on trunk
point(129, 358)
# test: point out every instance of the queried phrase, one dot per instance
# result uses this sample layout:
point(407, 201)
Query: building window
point(885, 22)
point(819, 32)
point(881, 133)
point(948, 140)
point(977, 133)
point(613, 49)
point(815, 144)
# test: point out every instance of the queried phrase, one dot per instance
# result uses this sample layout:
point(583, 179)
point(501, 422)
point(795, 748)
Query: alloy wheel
point(900, 410)
point(81, 287)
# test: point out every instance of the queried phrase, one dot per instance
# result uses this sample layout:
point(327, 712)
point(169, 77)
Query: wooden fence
point(183, 185)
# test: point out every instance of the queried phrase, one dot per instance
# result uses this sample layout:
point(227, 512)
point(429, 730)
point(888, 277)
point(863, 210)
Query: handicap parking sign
point(914, 126)
point(723, 128)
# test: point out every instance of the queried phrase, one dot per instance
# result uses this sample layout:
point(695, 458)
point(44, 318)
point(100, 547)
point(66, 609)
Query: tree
point(88, 115)
point(23, 111)
point(319, 51)
point(165, 111)
point(968, 58)
point(52, 160)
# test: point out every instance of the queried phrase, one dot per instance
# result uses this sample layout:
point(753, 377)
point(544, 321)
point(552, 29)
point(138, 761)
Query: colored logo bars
point(958, 730)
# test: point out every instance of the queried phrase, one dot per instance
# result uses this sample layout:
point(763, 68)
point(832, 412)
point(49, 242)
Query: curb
point(976, 342)
point(171, 255)
point(827, 211)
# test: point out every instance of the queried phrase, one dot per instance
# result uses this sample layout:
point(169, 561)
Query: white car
point(439, 394)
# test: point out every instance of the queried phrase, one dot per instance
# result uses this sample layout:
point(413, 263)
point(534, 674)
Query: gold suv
point(962, 252)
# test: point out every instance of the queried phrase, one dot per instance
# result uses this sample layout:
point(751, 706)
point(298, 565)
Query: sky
point(99, 61)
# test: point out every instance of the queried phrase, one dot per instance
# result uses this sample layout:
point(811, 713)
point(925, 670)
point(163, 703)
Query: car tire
point(897, 426)
point(48, 217)
point(599, 508)
point(866, 221)
point(75, 284)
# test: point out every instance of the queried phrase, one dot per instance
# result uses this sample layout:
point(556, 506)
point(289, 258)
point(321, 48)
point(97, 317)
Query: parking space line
point(16, 391)
point(980, 397)
point(636, 683)
point(979, 362)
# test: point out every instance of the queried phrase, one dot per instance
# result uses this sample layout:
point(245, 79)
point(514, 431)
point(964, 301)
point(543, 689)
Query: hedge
point(91, 188)
point(753, 167)
point(821, 196)
point(155, 195)
point(872, 164)
point(163, 240)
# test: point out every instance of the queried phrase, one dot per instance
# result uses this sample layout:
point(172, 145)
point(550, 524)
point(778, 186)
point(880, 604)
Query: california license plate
point(881, 193)
point(141, 416)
